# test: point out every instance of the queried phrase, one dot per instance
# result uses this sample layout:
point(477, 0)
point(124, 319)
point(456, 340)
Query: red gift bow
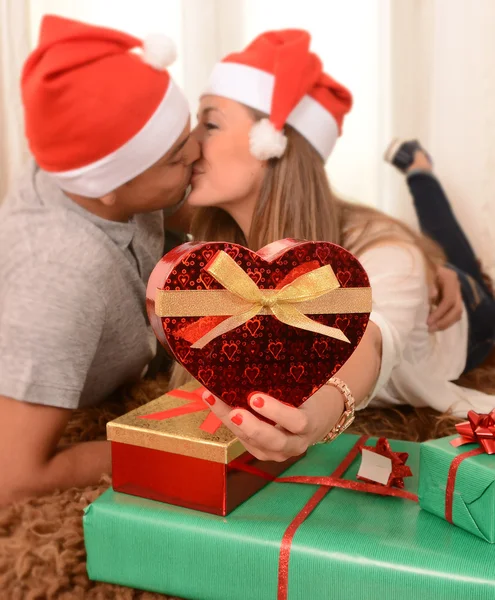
point(325, 485)
point(398, 459)
point(195, 404)
point(479, 428)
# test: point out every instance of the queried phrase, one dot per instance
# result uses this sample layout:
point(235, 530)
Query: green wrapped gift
point(464, 496)
point(352, 545)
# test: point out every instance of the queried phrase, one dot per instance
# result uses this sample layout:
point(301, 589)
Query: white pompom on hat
point(159, 51)
point(265, 141)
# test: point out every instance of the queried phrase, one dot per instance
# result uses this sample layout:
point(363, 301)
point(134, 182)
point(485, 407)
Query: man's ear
point(109, 199)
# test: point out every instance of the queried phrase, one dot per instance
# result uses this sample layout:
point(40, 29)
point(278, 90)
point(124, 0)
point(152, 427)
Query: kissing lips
point(195, 174)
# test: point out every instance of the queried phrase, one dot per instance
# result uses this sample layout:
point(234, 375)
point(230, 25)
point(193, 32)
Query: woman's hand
point(295, 429)
point(446, 300)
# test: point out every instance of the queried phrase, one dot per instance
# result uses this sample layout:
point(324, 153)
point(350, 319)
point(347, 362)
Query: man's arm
point(52, 317)
point(30, 463)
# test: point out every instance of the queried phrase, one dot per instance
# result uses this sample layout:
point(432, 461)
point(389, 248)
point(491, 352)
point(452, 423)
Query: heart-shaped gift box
point(281, 320)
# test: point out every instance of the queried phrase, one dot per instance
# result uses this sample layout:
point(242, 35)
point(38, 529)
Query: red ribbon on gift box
point(326, 483)
point(195, 404)
point(479, 428)
point(397, 462)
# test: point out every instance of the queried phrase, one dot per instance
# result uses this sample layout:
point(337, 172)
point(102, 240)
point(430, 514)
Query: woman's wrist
point(328, 405)
point(347, 416)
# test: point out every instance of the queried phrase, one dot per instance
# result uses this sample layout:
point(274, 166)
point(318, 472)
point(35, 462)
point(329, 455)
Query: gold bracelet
point(347, 416)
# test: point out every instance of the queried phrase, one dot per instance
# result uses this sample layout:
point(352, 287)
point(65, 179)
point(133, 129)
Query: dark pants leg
point(480, 308)
point(438, 221)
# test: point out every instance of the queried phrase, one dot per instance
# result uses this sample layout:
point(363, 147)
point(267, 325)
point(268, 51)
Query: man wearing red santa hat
point(79, 236)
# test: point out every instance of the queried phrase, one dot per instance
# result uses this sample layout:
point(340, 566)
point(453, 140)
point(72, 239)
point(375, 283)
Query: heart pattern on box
point(263, 354)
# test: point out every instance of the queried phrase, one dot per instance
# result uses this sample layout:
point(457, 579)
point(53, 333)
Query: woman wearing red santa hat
point(268, 121)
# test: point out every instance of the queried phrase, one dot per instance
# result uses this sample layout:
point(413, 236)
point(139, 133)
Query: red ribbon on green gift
point(326, 483)
point(195, 404)
point(397, 462)
point(479, 428)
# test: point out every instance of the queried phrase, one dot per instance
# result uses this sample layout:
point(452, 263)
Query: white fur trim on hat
point(265, 141)
point(254, 88)
point(154, 140)
point(159, 51)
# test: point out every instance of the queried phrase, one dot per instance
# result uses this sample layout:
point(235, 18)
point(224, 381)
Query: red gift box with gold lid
point(174, 450)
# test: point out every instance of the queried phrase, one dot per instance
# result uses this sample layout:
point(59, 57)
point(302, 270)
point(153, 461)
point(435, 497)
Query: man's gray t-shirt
point(73, 324)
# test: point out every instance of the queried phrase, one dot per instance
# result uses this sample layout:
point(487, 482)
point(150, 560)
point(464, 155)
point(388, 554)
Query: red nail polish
point(210, 398)
point(258, 401)
point(237, 419)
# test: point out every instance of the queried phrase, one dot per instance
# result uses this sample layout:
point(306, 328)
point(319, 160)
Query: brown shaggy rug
point(42, 552)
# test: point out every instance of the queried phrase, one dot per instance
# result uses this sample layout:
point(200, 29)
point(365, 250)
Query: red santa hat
point(98, 112)
point(278, 75)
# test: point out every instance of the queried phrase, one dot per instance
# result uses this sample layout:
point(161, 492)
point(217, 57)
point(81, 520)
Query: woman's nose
point(196, 133)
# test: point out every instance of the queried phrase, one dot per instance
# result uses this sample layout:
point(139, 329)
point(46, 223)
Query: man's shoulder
point(55, 237)
point(48, 227)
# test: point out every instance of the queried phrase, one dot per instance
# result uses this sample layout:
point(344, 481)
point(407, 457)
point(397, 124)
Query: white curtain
point(417, 68)
point(462, 115)
point(14, 46)
point(443, 74)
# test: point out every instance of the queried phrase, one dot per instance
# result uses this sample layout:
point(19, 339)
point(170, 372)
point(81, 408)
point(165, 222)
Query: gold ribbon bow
point(316, 292)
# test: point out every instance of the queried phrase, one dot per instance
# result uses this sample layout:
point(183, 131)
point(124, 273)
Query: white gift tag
point(375, 467)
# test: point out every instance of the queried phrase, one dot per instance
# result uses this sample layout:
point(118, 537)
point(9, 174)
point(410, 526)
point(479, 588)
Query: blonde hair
point(296, 201)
